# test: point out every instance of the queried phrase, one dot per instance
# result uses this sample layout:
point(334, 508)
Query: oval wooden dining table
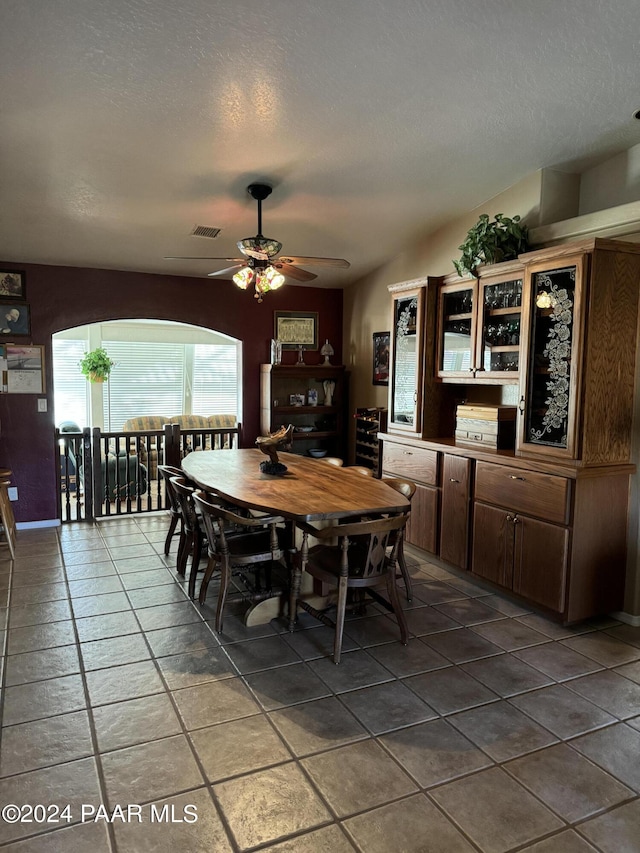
point(310, 490)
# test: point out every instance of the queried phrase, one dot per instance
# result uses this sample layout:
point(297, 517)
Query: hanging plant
point(96, 365)
point(492, 241)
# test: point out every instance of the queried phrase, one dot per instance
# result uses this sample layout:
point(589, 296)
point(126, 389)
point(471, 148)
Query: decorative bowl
point(305, 429)
point(317, 453)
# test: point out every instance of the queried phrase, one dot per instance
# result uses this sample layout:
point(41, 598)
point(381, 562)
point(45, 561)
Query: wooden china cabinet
point(479, 323)
point(546, 519)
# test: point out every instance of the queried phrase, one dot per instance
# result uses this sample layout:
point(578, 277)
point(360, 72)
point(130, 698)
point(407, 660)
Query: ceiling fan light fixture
point(259, 245)
point(275, 278)
point(267, 279)
point(244, 277)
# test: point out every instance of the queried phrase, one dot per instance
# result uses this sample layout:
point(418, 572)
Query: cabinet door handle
point(521, 406)
point(453, 480)
point(516, 520)
point(513, 477)
point(509, 518)
point(408, 452)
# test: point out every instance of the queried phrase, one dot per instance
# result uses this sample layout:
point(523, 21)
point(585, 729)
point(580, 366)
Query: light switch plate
point(42, 404)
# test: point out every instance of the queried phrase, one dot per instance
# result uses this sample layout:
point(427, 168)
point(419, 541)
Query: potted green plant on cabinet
point(491, 241)
point(96, 365)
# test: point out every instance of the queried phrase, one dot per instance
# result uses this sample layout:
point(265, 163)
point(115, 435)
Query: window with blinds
point(215, 380)
point(150, 377)
point(71, 389)
point(146, 379)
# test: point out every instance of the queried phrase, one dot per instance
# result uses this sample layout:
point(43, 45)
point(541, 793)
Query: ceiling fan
point(261, 264)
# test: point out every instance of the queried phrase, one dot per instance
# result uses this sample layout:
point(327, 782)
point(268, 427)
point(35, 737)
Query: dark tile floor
point(494, 730)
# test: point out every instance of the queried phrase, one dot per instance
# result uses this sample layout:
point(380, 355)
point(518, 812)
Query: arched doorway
point(163, 372)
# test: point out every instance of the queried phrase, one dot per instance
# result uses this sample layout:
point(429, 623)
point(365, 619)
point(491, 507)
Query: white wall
point(614, 182)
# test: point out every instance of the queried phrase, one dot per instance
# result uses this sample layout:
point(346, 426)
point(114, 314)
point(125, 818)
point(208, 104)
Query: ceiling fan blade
point(199, 258)
point(293, 272)
point(315, 262)
point(224, 271)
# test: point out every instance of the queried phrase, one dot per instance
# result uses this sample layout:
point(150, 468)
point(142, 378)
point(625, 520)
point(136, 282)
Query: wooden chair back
point(240, 543)
point(332, 460)
point(366, 472)
point(360, 560)
point(405, 487)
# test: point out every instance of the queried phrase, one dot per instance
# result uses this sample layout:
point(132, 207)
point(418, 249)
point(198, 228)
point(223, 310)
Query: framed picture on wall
point(12, 284)
point(25, 369)
point(15, 318)
point(296, 328)
point(381, 342)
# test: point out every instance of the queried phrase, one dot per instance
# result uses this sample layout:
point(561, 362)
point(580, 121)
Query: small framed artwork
point(297, 400)
point(25, 369)
point(12, 284)
point(381, 342)
point(15, 318)
point(312, 397)
point(296, 328)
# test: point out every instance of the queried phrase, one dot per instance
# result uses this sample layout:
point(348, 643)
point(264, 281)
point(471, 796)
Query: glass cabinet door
point(406, 373)
point(549, 400)
point(499, 328)
point(456, 350)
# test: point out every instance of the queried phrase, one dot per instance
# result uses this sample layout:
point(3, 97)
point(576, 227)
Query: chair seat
point(253, 547)
point(325, 560)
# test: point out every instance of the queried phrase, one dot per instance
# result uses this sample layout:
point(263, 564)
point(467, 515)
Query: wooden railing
point(116, 473)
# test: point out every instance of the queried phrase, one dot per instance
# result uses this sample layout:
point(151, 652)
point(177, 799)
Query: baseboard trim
point(627, 618)
point(31, 525)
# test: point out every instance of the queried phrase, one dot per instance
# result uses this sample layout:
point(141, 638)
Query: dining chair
point(332, 460)
point(194, 535)
point(360, 560)
point(408, 489)
point(175, 516)
point(236, 544)
point(6, 511)
point(366, 472)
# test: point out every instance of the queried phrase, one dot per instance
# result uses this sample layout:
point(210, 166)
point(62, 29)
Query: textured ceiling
point(126, 123)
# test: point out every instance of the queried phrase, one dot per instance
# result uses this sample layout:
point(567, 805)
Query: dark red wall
point(63, 297)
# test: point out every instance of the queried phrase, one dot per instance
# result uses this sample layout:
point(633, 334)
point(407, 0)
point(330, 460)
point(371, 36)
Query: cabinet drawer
point(542, 495)
point(416, 463)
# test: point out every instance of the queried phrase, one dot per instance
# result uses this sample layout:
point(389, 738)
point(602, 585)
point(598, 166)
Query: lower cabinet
point(554, 538)
point(419, 465)
point(522, 554)
point(454, 524)
point(422, 528)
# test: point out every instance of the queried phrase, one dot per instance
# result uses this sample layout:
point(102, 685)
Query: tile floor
point(494, 730)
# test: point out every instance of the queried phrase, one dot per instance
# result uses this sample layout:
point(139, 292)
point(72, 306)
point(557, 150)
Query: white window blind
point(70, 388)
point(147, 379)
point(215, 380)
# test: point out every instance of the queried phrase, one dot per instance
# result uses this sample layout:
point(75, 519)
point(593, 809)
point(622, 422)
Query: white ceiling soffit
point(126, 122)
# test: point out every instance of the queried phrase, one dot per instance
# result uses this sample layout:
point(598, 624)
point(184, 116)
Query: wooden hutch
point(554, 334)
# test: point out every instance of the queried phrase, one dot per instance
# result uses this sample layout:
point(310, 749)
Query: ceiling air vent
point(205, 231)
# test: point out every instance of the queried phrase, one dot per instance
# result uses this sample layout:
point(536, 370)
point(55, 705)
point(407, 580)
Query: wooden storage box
point(488, 426)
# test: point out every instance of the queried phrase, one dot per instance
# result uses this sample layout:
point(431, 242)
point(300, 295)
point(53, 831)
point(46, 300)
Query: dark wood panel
point(422, 529)
point(598, 551)
point(610, 357)
point(454, 527)
point(540, 562)
point(492, 544)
